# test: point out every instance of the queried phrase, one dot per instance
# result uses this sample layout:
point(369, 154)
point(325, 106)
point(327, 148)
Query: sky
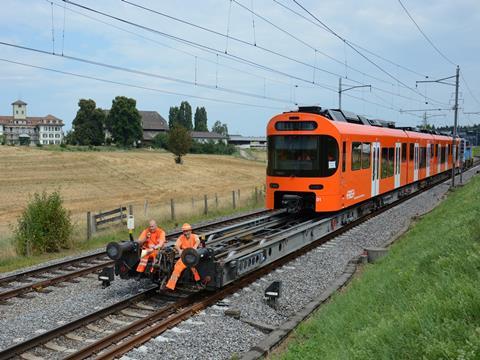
point(244, 60)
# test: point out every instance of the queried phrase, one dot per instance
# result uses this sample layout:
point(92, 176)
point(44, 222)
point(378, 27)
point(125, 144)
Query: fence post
point(205, 201)
point(172, 208)
point(130, 209)
point(256, 195)
point(93, 222)
point(216, 201)
point(238, 194)
point(145, 207)
point(233, 198)
point(89, 225)
point(121, 214)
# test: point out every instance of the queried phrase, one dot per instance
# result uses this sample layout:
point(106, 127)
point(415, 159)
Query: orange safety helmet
point(186, 227)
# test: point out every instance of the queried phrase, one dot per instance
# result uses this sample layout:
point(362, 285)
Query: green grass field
point(422, 301)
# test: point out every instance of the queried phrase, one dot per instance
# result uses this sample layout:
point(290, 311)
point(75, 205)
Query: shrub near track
point(422, 301)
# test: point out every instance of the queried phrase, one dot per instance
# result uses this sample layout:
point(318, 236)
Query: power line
point(216, 63)
point(83, 76)
point(351, 42)
point(360, 53)
point(228, 36)
point(425, 35)
point(469, 90)
point(144, 73)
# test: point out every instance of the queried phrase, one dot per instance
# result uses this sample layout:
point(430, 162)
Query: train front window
point(302, 155)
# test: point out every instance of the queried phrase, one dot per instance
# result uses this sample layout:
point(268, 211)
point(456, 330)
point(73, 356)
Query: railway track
point(18, 285)
point(115, 330)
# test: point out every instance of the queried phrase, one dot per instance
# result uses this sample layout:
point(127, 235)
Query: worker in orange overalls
point(185, 241)
point(151, 239)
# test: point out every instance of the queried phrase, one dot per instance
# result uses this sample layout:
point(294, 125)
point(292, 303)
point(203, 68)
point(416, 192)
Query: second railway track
point(38, 279)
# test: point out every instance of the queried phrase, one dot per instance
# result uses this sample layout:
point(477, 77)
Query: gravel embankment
point(211, 334)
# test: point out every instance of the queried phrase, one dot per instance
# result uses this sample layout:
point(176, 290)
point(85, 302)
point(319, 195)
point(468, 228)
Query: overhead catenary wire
point(359, 52)
point(203, 47)
point(244, 42)
point(216, 62)
point(144, 73)
point(115, 82)
point(425, 35)
point(351, 42)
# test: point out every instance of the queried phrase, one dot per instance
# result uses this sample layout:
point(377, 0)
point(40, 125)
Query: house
point(247, 142)
point(20, 129)
point(205, 136)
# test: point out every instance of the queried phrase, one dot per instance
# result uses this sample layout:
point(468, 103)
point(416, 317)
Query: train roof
point(349, 122)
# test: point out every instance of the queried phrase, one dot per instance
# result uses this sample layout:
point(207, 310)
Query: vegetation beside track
point(476, 151)
point(113, 234)
point(419, 302)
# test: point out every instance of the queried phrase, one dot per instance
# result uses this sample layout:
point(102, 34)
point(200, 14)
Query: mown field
point(419, 302)
point(92, 181)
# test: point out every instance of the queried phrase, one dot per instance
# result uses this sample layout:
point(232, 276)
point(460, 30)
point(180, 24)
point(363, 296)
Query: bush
point(44, 226)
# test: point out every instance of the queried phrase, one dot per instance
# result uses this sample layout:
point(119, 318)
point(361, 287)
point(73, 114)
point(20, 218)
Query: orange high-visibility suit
point(154, 240)
point(183, 243)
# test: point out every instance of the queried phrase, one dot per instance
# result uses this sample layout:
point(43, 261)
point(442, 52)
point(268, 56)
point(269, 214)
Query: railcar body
point(328, 160)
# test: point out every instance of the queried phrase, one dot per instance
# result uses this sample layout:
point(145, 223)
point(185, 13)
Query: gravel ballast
point(210, 334)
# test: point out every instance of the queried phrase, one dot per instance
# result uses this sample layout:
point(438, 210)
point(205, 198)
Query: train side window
point(356, 155)
point(442, 154)
point(404, 152)
point(412, 147)
point(366, 155)
point(344, 155)
point(384, 172)
point(423, 157)
point(391, 155)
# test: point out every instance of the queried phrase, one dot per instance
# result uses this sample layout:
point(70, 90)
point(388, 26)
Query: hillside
point(104, 180)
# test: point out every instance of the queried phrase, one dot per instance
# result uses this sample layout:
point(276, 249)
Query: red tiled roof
point(32, 120)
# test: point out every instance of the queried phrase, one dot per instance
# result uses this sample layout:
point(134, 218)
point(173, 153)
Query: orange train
point(326, 160)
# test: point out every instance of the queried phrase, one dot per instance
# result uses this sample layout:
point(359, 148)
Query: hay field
point(90, 181)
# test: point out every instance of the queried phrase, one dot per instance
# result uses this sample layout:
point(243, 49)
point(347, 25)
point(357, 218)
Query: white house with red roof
point(30, 130)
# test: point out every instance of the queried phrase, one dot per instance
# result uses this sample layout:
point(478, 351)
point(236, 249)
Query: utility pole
point(340, 91)
point(455, 108)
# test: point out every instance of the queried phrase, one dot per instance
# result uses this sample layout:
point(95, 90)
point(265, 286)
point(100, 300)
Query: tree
point(173, 116)
point(179, 142)
point(88, 125)
point(200, 119)
point(220, 128)
point(185, 115)
point(124, 122)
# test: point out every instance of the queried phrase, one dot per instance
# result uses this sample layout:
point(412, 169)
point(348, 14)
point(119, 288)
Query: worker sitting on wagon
point(151, 240)
point(185, 241)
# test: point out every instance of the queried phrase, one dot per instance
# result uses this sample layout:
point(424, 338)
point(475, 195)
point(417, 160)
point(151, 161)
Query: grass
point(116, 233)
point(422, 301)
point(476, 151)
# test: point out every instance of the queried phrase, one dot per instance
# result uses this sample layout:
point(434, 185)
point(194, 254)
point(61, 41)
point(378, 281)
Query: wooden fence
point(172, 209)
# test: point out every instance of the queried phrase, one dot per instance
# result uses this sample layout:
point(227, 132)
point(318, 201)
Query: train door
point(415, 163)
point(398, 158)
point(446, 157)
point(375, 168)
point(439, 158)
point(428, 160)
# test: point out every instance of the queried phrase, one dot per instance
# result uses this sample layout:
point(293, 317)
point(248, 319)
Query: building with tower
point(20, 129)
